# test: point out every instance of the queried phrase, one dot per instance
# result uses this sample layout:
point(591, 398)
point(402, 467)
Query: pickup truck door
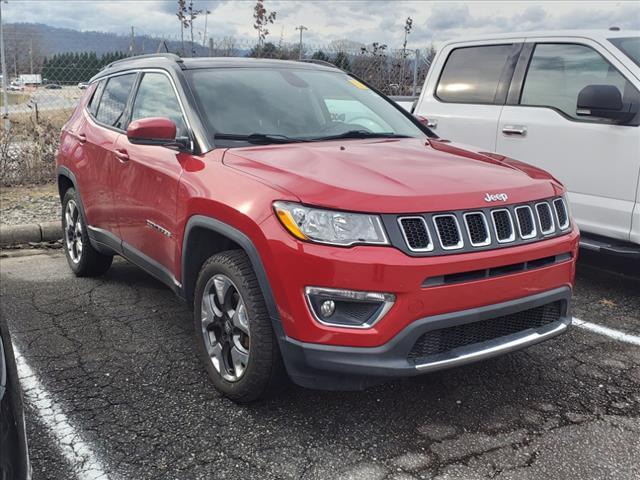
point(598, 161)
point(147, 180)
point(466, 88)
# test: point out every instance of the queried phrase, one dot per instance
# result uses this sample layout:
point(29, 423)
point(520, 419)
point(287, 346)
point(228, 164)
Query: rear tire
point(83, 259)
point(234, 335)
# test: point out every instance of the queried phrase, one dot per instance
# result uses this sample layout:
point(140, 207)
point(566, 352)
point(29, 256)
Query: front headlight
point(330, 226)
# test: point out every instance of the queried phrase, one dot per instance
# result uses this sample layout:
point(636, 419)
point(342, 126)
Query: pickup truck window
point(472, 74)
point(558, 71)
point(630, 46)
point(296, 103)
point(114, 100)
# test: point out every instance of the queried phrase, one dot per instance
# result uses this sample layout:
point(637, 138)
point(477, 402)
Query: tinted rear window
point(114, 100)
point(472, 74)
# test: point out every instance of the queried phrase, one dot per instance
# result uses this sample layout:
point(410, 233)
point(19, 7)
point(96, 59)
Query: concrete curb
point(31, 233)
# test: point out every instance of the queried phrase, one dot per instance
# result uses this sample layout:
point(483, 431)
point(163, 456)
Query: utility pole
point(31, 56)
point(5, 96)
point(132, 44)
point(204, 36)
point(301, 28)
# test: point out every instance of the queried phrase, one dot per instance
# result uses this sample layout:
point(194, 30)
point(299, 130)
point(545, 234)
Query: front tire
point(233, 330)
point(83, 259)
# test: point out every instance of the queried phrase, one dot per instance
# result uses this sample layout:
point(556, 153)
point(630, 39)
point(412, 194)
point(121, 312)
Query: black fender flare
point(63, 171)
point(226, 230)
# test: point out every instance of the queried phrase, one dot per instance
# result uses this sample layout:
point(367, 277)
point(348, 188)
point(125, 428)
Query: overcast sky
point(361, 21)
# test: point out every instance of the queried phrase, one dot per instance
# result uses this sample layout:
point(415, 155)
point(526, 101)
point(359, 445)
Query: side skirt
point(108, 243)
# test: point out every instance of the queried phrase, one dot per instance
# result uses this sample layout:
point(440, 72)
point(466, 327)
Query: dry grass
point(28, 150)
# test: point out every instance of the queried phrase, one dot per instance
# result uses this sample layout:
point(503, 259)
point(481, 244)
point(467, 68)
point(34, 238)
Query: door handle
point(514, 130)
point(121, 155)
point(432, 123)
point(81, 137)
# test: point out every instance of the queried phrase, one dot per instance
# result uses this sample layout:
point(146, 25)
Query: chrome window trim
point(551, 215)
point(404, 235)
point(460, 243)
point(486, 226)
point(534, 233)
point(337, 293)
point(565, 225)
point(192, 137)
point(512, 237)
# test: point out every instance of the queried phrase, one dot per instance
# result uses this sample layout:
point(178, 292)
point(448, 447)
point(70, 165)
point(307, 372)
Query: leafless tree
point(262, 20)
point(184, 20)
point(192, 15)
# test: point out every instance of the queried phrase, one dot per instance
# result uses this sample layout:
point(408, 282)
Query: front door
point(597, 160)
point(463, 103)
point(146, 182)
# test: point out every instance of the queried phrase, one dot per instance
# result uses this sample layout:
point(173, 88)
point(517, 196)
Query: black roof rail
point(319, 62)
point(168, 56)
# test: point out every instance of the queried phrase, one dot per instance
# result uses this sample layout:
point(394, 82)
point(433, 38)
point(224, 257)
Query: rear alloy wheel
point(84, 260)
point(225, 328)
point(233, 329)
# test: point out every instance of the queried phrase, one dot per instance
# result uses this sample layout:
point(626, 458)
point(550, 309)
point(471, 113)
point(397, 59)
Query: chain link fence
point(41, 90)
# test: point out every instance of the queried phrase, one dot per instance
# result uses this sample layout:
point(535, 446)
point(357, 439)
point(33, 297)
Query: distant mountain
point(48, 41)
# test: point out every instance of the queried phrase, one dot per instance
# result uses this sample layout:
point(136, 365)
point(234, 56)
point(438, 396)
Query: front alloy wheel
point(225, 328)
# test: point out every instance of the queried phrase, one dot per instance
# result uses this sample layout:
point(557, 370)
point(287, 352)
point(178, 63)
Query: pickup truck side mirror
point(604, 101)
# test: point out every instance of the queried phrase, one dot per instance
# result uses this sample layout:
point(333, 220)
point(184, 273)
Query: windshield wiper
point(359, 134)
point(258, 138)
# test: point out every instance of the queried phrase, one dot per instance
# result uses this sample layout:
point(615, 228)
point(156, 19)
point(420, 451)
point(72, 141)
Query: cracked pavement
point(116, 355)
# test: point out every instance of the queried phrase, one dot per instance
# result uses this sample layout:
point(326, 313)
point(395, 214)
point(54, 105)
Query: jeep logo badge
point(495, 197)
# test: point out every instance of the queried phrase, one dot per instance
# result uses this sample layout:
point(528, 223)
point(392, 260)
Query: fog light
point(327, 308)
point(348, 308)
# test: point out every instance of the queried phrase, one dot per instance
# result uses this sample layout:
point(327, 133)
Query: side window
point(156, 98)
point(114, 100)
point(557, 72)
point(95, 98)
point(472, 74)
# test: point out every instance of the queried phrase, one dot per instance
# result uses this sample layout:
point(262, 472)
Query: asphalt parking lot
point(114, 390)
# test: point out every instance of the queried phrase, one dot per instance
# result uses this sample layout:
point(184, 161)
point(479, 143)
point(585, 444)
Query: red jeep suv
point(318, 230)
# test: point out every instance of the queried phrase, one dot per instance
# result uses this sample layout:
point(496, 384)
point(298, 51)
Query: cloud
point(360, 21)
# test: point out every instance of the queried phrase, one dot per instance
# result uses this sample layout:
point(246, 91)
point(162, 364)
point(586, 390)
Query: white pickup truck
point(564, 101)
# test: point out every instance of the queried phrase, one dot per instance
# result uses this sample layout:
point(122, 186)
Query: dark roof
point(175, 62)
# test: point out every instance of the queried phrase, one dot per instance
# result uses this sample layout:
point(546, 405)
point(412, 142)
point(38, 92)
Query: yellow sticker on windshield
point(358, 84)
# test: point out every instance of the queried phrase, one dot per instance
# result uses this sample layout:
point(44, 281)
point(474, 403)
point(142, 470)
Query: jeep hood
point(392, 175)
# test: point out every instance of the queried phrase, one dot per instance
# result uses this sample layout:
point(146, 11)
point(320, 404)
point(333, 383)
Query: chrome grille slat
point(562, 214)
point(526, 222)
point(448, 231)
point(503, 225)
point(416, 233)
point(545, 218)
point(477, 229)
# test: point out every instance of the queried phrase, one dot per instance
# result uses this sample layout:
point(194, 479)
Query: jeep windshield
point(283, 105)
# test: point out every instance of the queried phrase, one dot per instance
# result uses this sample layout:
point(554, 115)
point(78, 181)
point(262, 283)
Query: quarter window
point(557, 73)
point(95, 98)
point(472, 74)
point(114, 100)
point(156, 98)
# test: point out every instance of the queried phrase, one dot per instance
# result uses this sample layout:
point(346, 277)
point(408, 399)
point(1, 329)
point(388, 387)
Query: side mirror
point(603, 101)
point(157, 131)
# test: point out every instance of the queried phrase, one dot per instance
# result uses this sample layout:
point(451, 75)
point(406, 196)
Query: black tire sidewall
point(262, 357)
point(80, 266)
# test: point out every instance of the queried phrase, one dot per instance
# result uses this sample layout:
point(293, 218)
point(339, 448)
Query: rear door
point(99, 133)
point(596, 159)
point(466, 89)
point(147, 177)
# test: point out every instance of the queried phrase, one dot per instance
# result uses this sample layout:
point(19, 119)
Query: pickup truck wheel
point(84, 260)
point(233, 329)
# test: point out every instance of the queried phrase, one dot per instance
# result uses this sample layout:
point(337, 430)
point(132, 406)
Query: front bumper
point(353, 368)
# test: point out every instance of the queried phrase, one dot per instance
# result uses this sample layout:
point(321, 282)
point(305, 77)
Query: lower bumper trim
point(354, 368)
